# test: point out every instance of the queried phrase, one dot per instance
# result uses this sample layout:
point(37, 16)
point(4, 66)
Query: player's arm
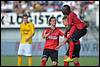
point(21, 31)
point(33, 32)
point(63, 43)
point(68, 27)
point(70, 21)
point(71, 18)
point(71, 32)
point(45, 34)
point(61, 33)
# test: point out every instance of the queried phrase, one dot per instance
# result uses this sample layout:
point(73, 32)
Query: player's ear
point(49, 22)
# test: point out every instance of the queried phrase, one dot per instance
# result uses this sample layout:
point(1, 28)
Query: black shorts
point(53, 54)
point(75, 52)
point(78, 34)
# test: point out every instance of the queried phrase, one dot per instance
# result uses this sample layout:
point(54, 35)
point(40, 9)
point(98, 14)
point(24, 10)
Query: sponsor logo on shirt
point(52, 37)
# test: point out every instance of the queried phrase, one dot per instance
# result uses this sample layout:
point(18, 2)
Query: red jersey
point(75, 24)
point(72, 19)
point(52, 41)
point(71, 31)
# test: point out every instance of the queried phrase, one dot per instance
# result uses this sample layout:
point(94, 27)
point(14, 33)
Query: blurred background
point(39, 13)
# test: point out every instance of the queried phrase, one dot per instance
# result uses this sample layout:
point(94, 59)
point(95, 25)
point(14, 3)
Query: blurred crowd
point(30, 6)
point(41, 6)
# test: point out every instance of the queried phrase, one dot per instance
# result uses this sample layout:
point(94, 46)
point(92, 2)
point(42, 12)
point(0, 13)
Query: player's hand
point(57, 47)
point(45, 34)
point(45, 31)
point(65, 40)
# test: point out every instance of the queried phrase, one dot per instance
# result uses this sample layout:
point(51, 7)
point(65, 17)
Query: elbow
point(33, 34)
point(43, 37)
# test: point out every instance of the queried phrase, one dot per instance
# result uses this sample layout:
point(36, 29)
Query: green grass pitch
point(12, 61)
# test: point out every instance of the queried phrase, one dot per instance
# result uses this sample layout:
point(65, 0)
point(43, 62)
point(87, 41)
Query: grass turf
point(12, 61)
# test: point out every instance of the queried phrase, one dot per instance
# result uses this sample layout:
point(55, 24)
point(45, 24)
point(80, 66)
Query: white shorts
point(25, 49)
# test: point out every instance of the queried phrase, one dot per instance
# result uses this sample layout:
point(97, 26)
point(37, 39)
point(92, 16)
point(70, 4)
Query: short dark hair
point(66, 7)
point(65, 17)
point(51, 18)
point(25, 15)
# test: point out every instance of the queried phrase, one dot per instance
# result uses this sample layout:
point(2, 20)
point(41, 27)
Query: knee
point(54, 63)
point(44, 59)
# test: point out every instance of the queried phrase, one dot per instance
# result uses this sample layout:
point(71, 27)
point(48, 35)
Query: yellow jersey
point(26, 30)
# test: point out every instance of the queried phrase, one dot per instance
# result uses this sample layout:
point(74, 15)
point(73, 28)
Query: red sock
point(71, 45)
point(66, 63)
point(76, 63)
point(43, 63)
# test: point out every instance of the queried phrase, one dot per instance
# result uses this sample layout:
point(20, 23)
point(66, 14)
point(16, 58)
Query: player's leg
point(67, 59)
point(70, 51)
point(54, 63)
point(76, 61)
point(28, 53)
point(19, 60)
point(20, 53)
point(43, 62)
point(78, 34)
point(65, 62)
point(71, 47)
point(76, 53)
point(30, 60)
point(54, 57)
point(44, 57)
point(75, 37)
point(82, 33)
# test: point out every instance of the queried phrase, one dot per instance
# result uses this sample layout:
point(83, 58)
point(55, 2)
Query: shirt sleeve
point(44, 31)
point(71, 32)
point(33, 28)
point(61, 33)
point(21, 30)
point(70, 18)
